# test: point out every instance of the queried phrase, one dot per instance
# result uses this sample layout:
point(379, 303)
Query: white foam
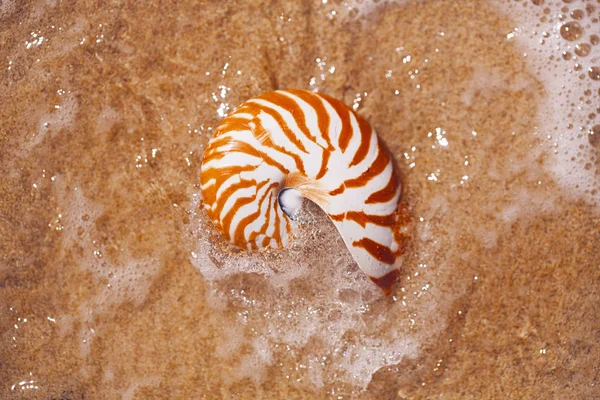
point(113, 282)
point(485, 80)
point(526, 203)
point(106, 119)
point(135, 384)
point(309, 302)
point(126, 279)
point(261, 355)
point(357, 9)
point(566, 147)
point(52, 123)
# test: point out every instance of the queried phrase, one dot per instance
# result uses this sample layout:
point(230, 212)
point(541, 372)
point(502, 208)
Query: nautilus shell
point(285, 146)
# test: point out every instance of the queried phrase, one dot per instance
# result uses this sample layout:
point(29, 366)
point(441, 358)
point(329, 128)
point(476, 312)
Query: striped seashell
point(283, 146)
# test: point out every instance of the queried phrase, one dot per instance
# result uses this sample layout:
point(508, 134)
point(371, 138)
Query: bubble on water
point(526, 202)
point(115, 281)
point(571, 31)
point(106, 119)
point(60, 117)
point(310, 304)
point(594, 136)
point(582, 49)
point(563, 114)
point(135, 384)
point(356, 9)
point(577, 14)
point(594, 73)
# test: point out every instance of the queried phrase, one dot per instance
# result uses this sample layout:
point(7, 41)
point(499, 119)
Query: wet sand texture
point(113, 283)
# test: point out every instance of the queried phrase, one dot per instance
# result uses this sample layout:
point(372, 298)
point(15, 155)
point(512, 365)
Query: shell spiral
point(283, 146)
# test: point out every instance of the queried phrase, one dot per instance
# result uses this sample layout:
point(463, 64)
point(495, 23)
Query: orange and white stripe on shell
point(283, 146)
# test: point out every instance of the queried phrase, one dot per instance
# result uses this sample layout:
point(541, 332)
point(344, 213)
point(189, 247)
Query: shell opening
point(290, 201)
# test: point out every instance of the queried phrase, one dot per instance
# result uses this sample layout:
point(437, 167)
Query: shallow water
point(114, 284)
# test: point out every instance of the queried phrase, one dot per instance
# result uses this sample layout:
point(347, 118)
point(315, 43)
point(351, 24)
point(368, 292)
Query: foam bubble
point(135, 384)
point(309, 303)
point(525, 203)
point(106, 119)
point(356, 9)
point(113, 282)
point(53, 122)
point(559, 55)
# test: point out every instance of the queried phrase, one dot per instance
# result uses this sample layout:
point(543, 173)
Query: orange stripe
point(220, 175)
point(363, 219)
point(387, 193)
point(293, 108)
point(265, 241)
point(220, 203)
point(322, 115)
point(232, 123)
point(337, 217)
point(365, 140)
point(380, 252)
point(337, 191)
point(239, 203)
point(344, 113)
point(254, 109)
point(265, 225)
point(377, 167)
point(324, 164)
point(276, 232)
point(223, 173)
point(387, 281)
point(222, 146)
point(288, 228)
point(263, 136)
point(239, 231)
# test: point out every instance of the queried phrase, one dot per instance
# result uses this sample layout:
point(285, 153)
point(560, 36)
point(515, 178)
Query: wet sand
point(114, 284)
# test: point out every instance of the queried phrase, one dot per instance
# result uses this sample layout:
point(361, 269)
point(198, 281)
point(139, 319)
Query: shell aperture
point(287, 145)
point(290, 201)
